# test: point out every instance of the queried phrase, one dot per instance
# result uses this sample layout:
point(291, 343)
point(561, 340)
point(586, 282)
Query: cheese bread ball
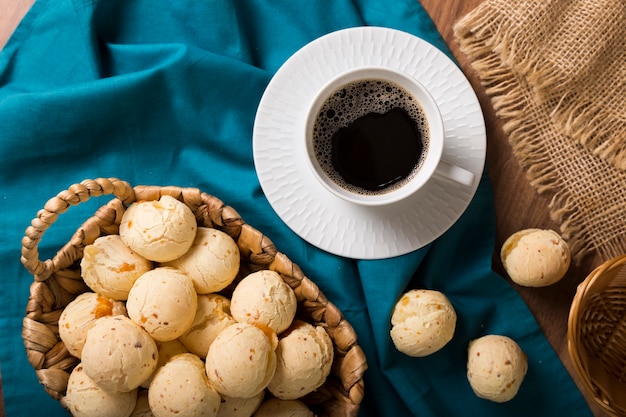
point(85, 398)
point(163, 301)
point(110, 268)
point(181, 389)
point(496, 367)
point(167, 350)
point(80, 314)
point(212, 262)
point(423, 321)
point(535, 257)
point(118, 354)
point(264, 299)
point(275, 407)
point(304, 358)
point(241, 361)
point(240, 407)
point(212, 316)
point(160, 230)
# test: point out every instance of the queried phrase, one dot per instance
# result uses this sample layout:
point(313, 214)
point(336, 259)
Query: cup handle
point(447, 171)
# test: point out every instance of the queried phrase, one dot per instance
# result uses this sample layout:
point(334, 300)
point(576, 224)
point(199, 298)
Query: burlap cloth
point(556, 73)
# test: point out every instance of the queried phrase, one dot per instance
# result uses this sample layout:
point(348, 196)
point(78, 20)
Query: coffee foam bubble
point(352, 101)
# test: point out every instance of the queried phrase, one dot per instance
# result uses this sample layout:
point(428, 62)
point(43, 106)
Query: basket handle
point(74, 195)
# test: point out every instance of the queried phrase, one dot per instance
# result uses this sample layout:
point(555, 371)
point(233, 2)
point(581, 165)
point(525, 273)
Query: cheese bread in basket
point(58, 282)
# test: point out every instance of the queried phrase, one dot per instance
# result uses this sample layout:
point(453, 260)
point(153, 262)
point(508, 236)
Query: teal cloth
point(165, 93)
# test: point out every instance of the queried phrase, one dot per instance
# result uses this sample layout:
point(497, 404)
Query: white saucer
point(319, 217)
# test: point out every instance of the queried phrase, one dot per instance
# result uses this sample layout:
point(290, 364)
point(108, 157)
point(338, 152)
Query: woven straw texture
point(597, 335)
point(57, 281)
point(556, 74)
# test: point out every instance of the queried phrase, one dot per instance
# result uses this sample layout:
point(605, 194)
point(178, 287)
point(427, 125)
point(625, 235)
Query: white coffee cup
point(431, 162)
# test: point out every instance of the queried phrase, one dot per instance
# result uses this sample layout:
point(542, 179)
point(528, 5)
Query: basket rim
point(597, 278)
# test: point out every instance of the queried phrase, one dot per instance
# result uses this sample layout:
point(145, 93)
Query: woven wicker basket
point(57, 281)
point(597, 335)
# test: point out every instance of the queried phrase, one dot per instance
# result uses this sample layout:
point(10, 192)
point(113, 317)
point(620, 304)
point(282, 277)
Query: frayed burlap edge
point(586, 123)
point(581, 119)
point(490, 49)
point(486, 41)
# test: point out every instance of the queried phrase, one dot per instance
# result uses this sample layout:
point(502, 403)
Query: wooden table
point(517, 205)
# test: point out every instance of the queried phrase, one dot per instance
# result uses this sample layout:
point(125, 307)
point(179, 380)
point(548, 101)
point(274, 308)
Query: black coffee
point(377, 150)
point(370, 136)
